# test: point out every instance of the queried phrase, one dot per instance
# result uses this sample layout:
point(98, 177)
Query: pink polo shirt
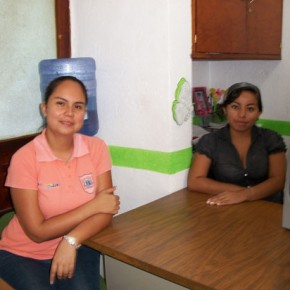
point(61, 187)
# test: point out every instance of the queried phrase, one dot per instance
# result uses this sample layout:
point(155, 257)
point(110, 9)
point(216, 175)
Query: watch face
point(71, 240)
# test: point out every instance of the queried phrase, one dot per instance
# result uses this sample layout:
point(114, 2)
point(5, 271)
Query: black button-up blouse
point(226, 163)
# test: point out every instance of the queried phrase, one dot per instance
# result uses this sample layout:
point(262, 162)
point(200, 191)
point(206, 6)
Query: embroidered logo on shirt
point(87, 182)
point(49, 185)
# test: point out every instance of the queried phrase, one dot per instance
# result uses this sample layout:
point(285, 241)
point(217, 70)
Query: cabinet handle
point(250, 8)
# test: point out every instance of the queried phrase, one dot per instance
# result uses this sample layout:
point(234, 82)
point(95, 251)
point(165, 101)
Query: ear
point(42, 107)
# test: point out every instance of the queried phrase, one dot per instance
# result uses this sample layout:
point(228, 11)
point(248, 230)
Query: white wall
point(27, 35)
point(142, 49)
point(272, 77)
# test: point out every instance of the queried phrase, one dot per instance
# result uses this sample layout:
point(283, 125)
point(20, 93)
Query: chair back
point(7, 148)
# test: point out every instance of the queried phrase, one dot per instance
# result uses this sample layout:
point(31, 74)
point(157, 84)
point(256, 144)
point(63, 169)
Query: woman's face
point(65, 109)
point(243, 113)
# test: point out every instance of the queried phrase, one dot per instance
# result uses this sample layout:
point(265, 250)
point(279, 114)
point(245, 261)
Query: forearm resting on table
point(90, 227)
point(69, 221)
point(210, 186)
point(42, 229)
point(265, 189)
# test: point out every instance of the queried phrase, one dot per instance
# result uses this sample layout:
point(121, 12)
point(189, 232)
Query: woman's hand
point(229, 197)
point(107, 202)
point(63, 262)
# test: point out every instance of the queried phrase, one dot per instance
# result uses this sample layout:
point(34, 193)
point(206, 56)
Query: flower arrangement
point(216, 97)
point(207, 106)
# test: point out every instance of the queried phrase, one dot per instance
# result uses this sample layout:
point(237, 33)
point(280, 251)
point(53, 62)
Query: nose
point(69, 110)
point(242, 112)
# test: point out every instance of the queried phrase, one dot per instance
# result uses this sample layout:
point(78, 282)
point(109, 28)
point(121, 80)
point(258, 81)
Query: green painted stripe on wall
point(163, 162)
point(172, 162)
point(282, 127)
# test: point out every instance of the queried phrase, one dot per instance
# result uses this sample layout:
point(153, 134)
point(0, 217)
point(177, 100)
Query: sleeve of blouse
point(275, 142)
point(22, 171)
point(206, 145)
point(101, 156)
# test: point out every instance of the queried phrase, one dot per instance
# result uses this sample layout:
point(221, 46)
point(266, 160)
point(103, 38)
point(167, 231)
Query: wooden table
point(181, 239)
point(4, 285)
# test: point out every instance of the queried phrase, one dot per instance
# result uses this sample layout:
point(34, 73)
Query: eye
point(79, 107)
point(60, 103)
point(251, 109)
point(234, 106)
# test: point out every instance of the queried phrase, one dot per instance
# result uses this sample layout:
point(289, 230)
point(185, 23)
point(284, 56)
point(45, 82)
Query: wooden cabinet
point(236, 29)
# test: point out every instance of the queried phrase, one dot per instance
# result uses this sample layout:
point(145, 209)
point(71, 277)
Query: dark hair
point(234, 91)
point(57, 81)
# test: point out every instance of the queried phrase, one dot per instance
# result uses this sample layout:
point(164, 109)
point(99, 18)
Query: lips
point(241, 123)
point(67, 123)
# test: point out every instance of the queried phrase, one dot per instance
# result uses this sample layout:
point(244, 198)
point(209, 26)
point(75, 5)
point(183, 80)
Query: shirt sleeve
point(274, 142)
point(101, 156)
point(22, 172)
point(206, 145)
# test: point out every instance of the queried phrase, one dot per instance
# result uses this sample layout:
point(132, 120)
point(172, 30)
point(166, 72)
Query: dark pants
point(27, 274)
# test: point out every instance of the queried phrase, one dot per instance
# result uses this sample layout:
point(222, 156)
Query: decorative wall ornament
point(182, 105)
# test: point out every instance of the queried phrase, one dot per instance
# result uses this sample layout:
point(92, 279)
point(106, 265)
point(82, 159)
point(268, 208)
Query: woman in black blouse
point(240, 162)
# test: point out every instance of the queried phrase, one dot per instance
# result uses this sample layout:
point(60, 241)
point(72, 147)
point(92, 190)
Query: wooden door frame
point(63, 33)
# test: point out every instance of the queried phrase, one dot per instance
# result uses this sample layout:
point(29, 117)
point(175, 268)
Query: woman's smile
point(67, 123)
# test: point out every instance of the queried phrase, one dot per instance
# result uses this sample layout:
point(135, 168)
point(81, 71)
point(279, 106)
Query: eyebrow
point(251, 104)
point(65, 100)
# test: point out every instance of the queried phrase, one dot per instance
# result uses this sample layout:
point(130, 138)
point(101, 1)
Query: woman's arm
point(198, 181)
point(63, 263)
point(39, 229)
point(274, 184)
point(97, 222)
point(275, 181)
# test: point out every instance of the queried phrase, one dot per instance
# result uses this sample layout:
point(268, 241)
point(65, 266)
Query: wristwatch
point(72, 241)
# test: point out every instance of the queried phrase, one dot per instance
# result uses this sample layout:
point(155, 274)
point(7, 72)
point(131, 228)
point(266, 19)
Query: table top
point(4, 285)
point(182, 239)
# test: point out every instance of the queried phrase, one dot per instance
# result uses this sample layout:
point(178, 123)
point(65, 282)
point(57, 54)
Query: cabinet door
point(264, 27)
point(220, 26)
point(236, 29)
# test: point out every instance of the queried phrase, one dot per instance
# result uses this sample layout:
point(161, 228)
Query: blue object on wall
point(84, 69)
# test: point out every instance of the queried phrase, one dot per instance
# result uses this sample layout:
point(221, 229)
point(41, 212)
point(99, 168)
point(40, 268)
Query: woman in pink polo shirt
point(62, 191)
